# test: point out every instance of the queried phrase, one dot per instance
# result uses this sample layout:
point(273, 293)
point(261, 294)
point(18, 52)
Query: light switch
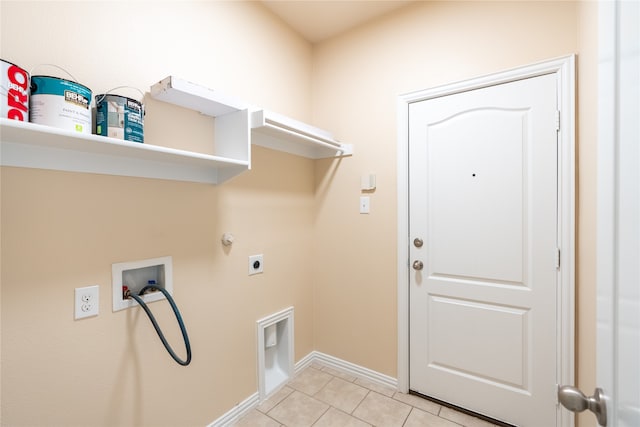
point(364, 204)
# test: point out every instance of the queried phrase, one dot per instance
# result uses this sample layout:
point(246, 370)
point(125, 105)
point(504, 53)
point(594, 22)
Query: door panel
point(468, 323)
point(483, 195)
point(475, 197)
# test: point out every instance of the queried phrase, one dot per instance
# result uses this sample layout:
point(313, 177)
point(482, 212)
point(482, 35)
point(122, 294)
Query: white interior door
point(483, 210)
point(619, 212)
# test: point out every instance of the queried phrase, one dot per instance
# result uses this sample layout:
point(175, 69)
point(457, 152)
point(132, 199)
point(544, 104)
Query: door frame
point(564, 68)
point(616, 52)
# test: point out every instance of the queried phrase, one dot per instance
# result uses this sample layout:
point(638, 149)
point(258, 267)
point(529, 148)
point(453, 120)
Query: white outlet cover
point(256, 264)
point(87, 301)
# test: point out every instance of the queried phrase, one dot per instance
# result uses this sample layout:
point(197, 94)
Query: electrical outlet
point(87, 301)
point(256, 264)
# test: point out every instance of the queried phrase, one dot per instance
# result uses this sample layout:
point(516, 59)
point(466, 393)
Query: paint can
point(120, 117)
point(60, 103)
point(14, 92)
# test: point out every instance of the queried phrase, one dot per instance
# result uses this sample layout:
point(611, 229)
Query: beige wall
point(64, 230)
point(357, 78)
point(338, 268)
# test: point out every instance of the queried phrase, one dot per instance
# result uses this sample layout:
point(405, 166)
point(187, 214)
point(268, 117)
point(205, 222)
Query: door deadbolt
point(417, 242)
point(418, 265)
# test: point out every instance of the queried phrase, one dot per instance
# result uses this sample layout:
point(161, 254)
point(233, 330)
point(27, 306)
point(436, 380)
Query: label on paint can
point(60, 103)
point(120, 117)
point(14, 92)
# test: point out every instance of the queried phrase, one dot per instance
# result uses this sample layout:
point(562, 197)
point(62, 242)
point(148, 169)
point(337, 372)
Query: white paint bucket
point(120, 117)
point(60, 103)
point(14, 92)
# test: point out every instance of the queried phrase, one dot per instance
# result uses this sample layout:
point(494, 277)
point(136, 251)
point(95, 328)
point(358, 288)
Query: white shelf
point(237, 124)
point(36, 146)
point(268, 129)
point(195, 97)
point(278, 132)
point(232, 130)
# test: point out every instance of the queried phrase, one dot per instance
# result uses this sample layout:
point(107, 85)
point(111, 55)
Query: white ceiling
point(318, 20)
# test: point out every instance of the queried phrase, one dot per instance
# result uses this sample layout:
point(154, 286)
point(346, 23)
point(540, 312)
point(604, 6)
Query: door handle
point(575, 401)
point(418, 265)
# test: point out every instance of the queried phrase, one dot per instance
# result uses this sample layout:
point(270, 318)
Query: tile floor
point(323, 397)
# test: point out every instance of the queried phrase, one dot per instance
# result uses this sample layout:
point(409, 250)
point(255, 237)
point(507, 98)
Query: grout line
point(321, 415)
point(409, 414)
point(360, 403)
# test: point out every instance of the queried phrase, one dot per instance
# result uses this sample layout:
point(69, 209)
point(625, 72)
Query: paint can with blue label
point(14, 92)
point(60, 103)
point(120, 117)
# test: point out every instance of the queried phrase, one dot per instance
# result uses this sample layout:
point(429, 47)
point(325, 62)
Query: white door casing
point(561, 70)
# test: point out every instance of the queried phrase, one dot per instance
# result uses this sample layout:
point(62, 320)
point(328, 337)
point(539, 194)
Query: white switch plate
point(256, 264)
point(87, 301)
point(364, 204)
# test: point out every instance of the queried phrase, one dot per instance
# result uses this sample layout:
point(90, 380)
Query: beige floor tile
point(463, 419)
point(418, 418)
point(310, 381)
point(342, 394)
point(317, 366)
point(256, 419)
point(381, 410)
point(339, 374)
point(381, 389)
point(418, 402)
point(298, 410)
point(381, 406)
point(336, 418)
point(274, 399)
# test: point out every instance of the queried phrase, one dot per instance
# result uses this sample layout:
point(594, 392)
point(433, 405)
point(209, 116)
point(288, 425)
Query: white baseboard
point(237, 411)
point(351, 369)
point(315, 357)
point(304, 362)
